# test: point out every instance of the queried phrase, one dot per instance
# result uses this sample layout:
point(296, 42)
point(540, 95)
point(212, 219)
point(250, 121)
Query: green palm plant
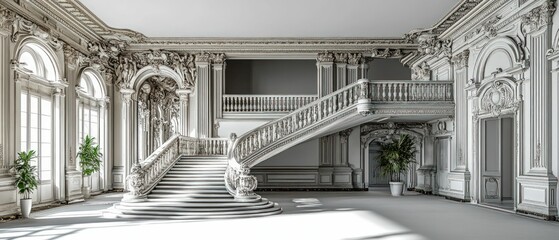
point(26, 174)
point(90, 156)
point(396, 156)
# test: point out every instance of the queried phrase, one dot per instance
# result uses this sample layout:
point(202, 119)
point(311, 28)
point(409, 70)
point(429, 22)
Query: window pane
point(46, 106)
point(45, 164)
point(23, 120)
point(23, 102)
point(45, 122)
point(34, 135)
point(23, 146)
point(45, 135)
point(34, 104)
point(34, 120)
point(28, 62)
point(33, 146)
point(45, 150)
point(46, 175)
point(23, 134)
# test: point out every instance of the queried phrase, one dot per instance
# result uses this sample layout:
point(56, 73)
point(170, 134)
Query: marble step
point(189, 183)
point(203, 169)
point(189, 208)
point(187, 191)
point(221, 175)
point(217, 187)
point(219, 163)
point(199, 178)
point(148, 215)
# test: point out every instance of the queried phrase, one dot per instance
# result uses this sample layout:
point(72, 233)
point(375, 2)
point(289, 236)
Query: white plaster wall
point(388, 69)
point(305, 154)
point(271, 77)
point(238, 127)
point(354, 148)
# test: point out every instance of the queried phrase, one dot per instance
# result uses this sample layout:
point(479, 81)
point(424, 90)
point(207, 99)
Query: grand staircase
point(194, 189)
point(190, 178)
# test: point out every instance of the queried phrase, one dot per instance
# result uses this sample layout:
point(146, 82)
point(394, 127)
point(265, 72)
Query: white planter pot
point(86, 191)
point(26, 205)
point(396, 188)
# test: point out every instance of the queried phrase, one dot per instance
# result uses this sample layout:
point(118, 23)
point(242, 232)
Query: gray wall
point(270, 77)
point(388, 69)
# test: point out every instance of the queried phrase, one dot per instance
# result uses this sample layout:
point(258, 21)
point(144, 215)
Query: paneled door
point(376, 179)
point(497, 168)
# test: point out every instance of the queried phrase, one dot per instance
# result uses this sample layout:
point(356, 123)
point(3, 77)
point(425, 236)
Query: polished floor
point(307, 215)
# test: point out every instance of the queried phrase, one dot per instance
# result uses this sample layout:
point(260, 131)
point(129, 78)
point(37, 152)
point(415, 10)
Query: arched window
point(37, 113)
point(92, 119)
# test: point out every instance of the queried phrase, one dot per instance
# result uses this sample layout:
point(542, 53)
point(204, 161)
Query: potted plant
point(395, 157)
point(26, 180)
point(90, 161)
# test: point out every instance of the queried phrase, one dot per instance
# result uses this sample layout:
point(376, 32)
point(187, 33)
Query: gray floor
point(307, 215)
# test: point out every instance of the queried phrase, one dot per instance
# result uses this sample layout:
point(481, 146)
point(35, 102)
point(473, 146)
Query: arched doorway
point(376, 179)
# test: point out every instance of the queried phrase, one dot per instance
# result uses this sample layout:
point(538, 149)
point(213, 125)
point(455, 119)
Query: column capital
point(203, 58)
point(325, 57)
point(127, 94)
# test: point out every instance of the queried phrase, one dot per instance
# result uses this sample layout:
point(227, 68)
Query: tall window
point(36, 131)
point(91, 118)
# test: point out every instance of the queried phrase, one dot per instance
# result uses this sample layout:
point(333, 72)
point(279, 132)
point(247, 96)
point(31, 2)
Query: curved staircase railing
point(270, 138)
point(146, 174)
point(252, 146)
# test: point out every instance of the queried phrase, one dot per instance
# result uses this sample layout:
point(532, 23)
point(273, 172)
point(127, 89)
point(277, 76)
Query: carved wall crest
point(344, 135)
point(430, 44)
point(421, 72)
point(498, 97)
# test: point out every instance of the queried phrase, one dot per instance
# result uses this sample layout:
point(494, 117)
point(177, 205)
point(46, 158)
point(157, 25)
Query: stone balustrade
point(265, 103)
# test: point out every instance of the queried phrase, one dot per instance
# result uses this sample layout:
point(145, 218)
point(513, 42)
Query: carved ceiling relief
point(430, 44)
point(158, 111)
point(498, 97)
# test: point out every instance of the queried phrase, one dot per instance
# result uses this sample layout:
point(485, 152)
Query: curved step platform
point(193, 189)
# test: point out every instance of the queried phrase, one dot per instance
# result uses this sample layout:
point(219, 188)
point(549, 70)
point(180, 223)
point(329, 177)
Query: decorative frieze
point(538, 17)
point(461, 60)
point(386, 53)
point(22, 27)
point(421, 72)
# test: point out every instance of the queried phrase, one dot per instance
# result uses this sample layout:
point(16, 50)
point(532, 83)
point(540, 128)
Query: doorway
point(497, 162)
point(376, 179)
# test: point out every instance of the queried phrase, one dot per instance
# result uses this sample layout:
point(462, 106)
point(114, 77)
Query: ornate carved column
point(59, 133)
point(353, 73)
point(341, 70)
point(536, 173)
point(127, 138)
point(218, 77)
point(325, 67)
point(460, 62)
point(6, 20)
point(203, 96)
point(184, 95)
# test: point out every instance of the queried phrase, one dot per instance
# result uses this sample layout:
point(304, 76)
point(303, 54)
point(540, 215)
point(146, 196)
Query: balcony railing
point(411, 91)
point(265, 103)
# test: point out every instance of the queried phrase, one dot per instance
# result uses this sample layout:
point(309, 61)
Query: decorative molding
point(22, 27)
point(203, 57)
point(381, 132)
point(73, 58)
point(440, 128)
point(421, 72)
point(538, 17)
point(461, 59)
point(386, 53)
point(325, 57)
